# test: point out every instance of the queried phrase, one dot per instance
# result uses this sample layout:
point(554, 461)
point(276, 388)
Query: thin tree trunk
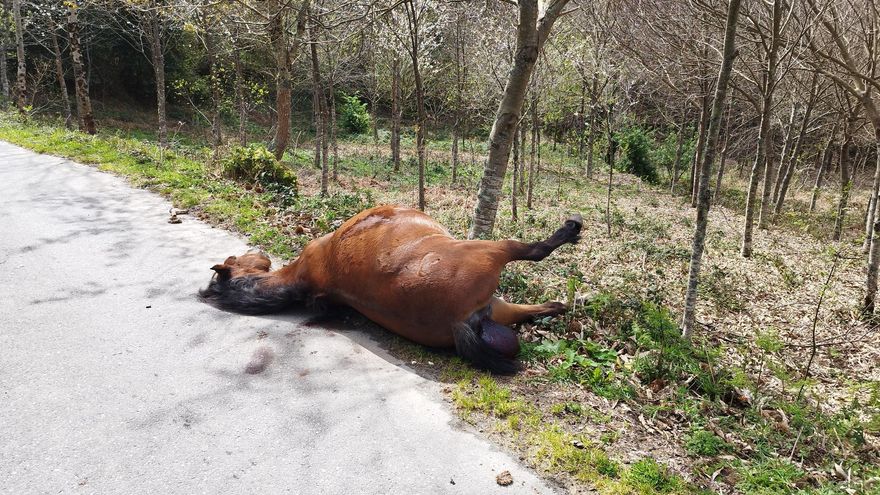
point(513, 178)
point(531, 35)
point(4, 78)
point(698, 155)
point(281, 51)
point(523, 135)
point(396, 112)
point(81, 82)
point(284, 51)
point(331, 96)
point(609, 160)
point(875, 189)
point(59, 74)
point(538, 150)
point(770, 169)
point(532, 151)
point(21, 73)
point(764, 129)
point(874, 248)
point(824, 165)
point(845, 182)
point(582, 124)
point(214, 79)
point(325, 141)
point(459, 89)
point(157, 57)
point(787, 147)
point(240, 91)
point(721, 163)
point(723, 159)
point(594, 97)
point(792, 165)
point(374, 119)
point(679, 150)
point(318, 109)
point(703, 205)
point(415, 40)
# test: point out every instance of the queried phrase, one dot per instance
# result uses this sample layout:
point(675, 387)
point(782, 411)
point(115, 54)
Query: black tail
point(248, 296)
point(472, 347)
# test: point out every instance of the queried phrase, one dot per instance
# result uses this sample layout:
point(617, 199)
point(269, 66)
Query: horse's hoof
point(575, 222)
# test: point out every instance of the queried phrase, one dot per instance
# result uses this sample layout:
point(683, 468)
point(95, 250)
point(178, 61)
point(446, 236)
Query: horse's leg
point(569, 233)
point(507, 313)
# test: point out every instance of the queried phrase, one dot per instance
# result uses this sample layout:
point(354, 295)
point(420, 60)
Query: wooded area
point(727, 154)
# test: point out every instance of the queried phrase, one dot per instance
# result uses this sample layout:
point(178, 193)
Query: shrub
point(635, 148)
point(647, 475)
point(705, 443)
point(353, 115)
point(255, 163)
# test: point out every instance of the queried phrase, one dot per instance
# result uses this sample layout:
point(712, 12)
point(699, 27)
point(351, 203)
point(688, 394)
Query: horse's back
point(404, 270)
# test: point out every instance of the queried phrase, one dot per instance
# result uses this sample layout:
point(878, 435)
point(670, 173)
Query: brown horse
point(403, 270)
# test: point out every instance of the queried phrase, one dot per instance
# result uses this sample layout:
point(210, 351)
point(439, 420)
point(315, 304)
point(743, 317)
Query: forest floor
point(777, 393)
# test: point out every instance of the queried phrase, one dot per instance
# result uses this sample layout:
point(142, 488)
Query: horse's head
point(252, 263)
point(244, 284)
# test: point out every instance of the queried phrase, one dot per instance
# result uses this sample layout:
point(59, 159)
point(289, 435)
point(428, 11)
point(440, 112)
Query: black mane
point(247, 295)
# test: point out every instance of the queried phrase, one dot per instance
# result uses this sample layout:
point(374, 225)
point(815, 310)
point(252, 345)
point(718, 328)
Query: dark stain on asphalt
point(259, 360)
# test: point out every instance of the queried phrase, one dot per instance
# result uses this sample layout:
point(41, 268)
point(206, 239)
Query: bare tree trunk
point(703, 205)
point(845, 182)
point(396, 112)
point(414, 42)
point(331, 96)
point(523, 135)
point(533, 150)
point(214, 79)
point(281, 51)
point(582, 124)
point(870, 213)
point(770, 169)
point(325, 141)
point(240, 91)
point(764, 130)
point(874, 249)
point(609, 160)
point(374, 120)
point(459, 89)
point(157, 57)
point(59, 74)
point(679, 150)
point(531, 35)
point(721, 164)
point(4, 78)
point(792, 161)
point(81, 82)
point(318, 109)
point(513, 176)
point(21, 73)
point(594, 122)
point(824, 165)
point(698, 154)
point(787, 147)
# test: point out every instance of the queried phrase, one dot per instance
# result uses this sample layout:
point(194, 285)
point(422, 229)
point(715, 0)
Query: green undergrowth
point(735, 429)
point(550, 446)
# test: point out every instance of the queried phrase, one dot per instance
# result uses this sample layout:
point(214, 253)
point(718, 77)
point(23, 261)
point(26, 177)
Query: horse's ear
point(223, 272)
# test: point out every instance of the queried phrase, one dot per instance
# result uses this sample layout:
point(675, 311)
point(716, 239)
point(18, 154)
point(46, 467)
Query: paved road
point(115, 380)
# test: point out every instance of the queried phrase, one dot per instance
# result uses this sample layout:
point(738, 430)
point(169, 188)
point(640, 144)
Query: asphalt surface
point(115, 379)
